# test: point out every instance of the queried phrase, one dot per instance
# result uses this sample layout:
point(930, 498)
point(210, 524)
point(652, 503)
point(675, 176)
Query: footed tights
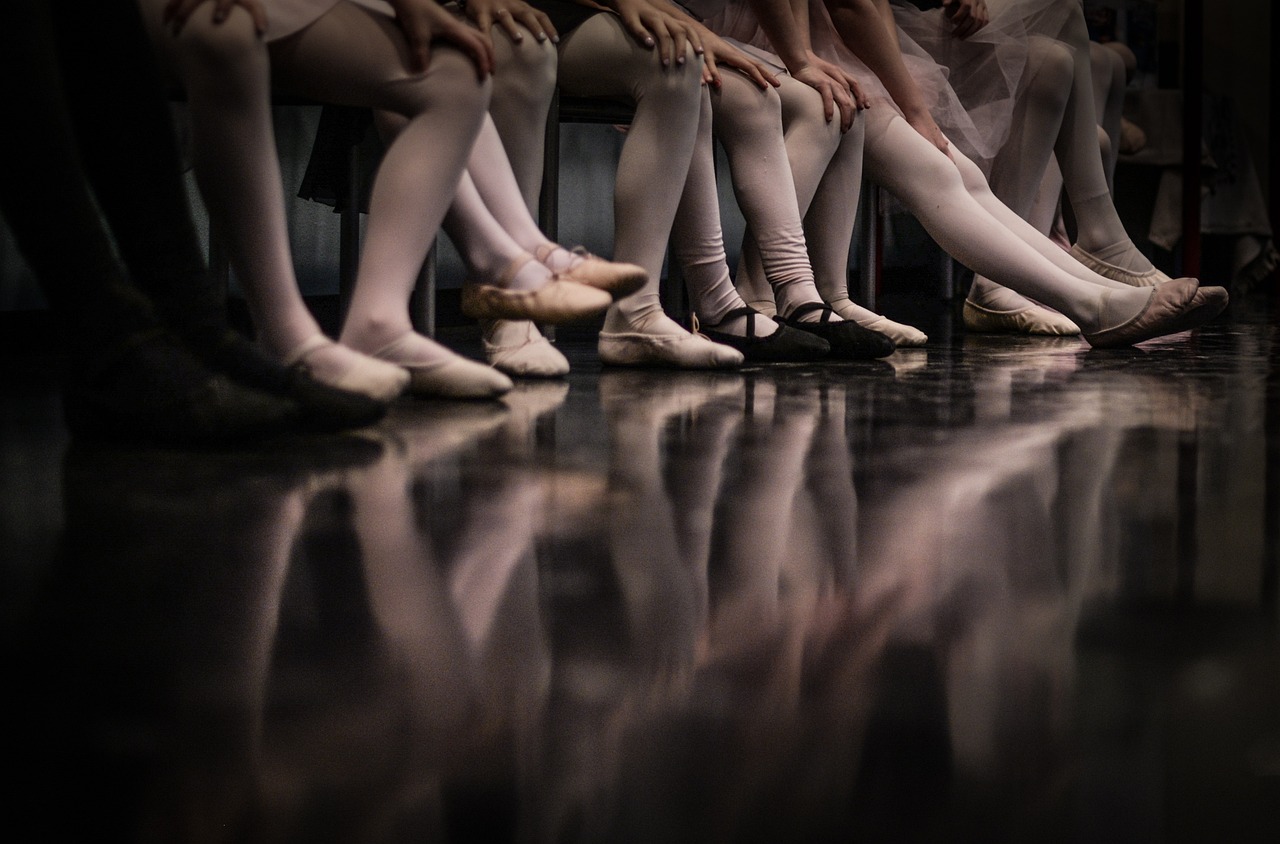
point(951, 199)
point(600, 59)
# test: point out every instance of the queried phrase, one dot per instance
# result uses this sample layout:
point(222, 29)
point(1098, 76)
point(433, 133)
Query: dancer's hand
point(835, 92)
point(720, 52)
point(515, 16)
point(178, 12)
point(835, 71)
point(424, 21)
point(966, 16)
point(652, 27)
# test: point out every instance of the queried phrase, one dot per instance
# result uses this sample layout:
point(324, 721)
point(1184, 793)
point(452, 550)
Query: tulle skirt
point(970, 86)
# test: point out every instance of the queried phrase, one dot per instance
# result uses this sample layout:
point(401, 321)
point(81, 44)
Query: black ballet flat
point(849, 341)
point(786, 345)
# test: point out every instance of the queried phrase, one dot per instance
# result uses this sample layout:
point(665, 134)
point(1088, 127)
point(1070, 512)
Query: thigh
point(601, 59)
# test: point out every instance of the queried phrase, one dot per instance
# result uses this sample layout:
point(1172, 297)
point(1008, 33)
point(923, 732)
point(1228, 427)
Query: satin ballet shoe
point(452, 377)
point(554, 303)
point(1150, 278)
point(615, 278)
point(848, 340)
point(1034, 320)
point(1175, 306)
point(903, 336)
point(785, 345)
point(367, 375)
point(689, 350)
point(531, 355)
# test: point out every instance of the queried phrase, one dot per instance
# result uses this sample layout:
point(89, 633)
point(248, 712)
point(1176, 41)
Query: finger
point(638, 31)
point(679, 40)
point(664, 42)
point(695, 41)
point(711, 71)
point(767, 75)
point(259, 15)
point(547, 26)
point(529, 20)
point(509, 24)
point(828, 102)
point(847, 111)
point(484, 20)
point(177, 13)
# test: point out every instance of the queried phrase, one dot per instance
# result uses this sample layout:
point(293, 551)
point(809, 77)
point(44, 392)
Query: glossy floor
point(995, 589)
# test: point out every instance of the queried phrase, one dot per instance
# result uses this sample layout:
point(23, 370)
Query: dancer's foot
point(346, 369)
point(552, 299)
point(992, 309)
point(615, 278)
point(324, 408)
point(849, 341)
point(903, 336)
point(436, 372)
point(1102, 264)
point(150, 389)
point(519, 349)
point(763, 340)
point(1175, 306)
point(657, 341)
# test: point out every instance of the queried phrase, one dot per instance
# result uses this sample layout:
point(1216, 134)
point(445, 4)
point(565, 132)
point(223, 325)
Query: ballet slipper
point(365, 375)
point(452, 376)
point(785, 345)
point(522, 350)
point(903, 336)
point(1146, 279)
point(1175, 306)
point(686, 350)
point(849, 341)
point(1033, 320)
point(615, 278)
point(556, 302)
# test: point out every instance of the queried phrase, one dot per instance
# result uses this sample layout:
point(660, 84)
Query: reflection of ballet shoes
point(1177, 305)
point(1034, 320)
point(518, 348)
point(1149, 278)
point(556, 302)
point(615, 278)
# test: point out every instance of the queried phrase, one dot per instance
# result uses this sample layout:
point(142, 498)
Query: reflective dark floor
point(994, 590)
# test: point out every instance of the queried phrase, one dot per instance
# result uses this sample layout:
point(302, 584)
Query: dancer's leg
point(1108, 102)
point(225, 69)
point(931, 186)
point(1017, 175)
point(811, 140)
point(699, 240)
point(600, 59)
point(524, 82)
point(1100, 231)
point(353, 56)
point(749, 124)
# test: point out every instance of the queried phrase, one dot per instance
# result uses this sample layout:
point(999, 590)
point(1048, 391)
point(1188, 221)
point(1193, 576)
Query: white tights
point(600, 59)
point(951, 199)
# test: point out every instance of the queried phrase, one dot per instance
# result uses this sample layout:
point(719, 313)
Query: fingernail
point(542, 36)
point(680, 60)
point(555, 39)
point(648, 42)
